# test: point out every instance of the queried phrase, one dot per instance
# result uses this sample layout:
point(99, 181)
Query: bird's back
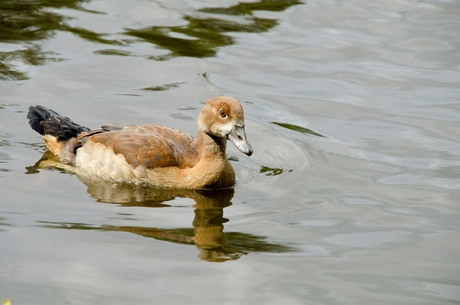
point(151, 146)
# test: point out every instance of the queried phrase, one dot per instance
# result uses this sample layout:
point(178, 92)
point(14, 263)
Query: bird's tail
point(59, 133)
point(48, 122)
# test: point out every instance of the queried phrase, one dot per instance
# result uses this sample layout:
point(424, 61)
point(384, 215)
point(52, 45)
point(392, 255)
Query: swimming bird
point(150, 154)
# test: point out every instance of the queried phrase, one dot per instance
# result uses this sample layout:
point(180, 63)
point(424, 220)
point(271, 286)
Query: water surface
point(351, 197)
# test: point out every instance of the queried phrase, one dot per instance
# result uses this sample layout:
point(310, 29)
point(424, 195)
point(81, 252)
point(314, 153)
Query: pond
point(352, 193)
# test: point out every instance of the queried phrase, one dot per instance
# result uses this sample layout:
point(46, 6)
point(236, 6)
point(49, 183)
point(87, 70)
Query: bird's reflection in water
point(207, 233)
point(208, 223)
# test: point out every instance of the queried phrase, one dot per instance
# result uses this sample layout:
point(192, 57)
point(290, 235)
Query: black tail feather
point(46, 121)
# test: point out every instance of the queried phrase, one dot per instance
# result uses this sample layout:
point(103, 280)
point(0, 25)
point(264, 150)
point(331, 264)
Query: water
point(351, 196)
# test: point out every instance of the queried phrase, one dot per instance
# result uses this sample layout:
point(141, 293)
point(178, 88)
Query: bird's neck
point(212, 169)
point(211, 147)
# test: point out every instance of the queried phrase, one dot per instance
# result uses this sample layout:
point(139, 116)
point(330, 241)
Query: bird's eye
point(222, 114)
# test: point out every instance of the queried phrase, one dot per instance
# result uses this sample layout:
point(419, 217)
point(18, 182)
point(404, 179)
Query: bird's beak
point(238, 137)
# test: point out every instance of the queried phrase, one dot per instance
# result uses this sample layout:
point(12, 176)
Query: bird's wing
point(151, 146)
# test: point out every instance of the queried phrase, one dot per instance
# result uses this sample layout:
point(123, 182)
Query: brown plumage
point(151, 146)
point(151, 154)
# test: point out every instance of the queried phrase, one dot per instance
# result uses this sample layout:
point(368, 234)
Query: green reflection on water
point(25, 20)
point(25, 23)
point(203, 35)
point(298, 129)
point(31, 55)
point(113, 52)
point(163, 87)
point(269, 171)
point(90, 35)
point(244, 8)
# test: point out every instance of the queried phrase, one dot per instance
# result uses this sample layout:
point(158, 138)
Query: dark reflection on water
point(26, 22)
point(298, 129)
point(32, 55)
point(269, 171)
point(163, 87)
point(4, 223)
point(207, 233)
point(205, 34)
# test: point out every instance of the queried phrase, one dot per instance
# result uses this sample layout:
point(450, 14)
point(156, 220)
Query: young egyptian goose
point(151, 154)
